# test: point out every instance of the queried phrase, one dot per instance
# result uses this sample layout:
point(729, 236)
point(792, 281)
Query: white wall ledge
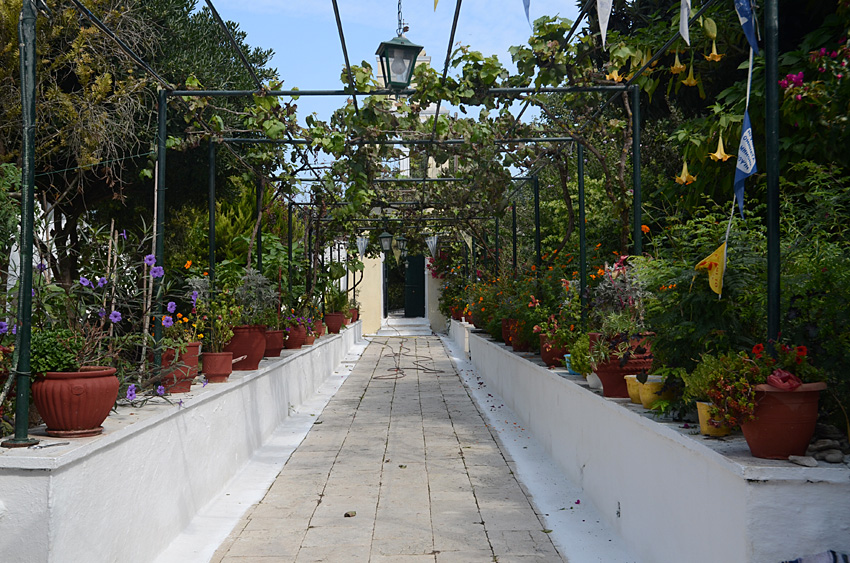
point(672, 494)
point(155, 466)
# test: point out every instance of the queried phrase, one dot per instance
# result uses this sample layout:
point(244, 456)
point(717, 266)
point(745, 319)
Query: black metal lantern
point(386, 241)
point(398, 58)
point(401, 243)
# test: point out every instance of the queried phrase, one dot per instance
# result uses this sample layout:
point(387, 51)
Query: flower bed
point(671, 494)
point(154, 467)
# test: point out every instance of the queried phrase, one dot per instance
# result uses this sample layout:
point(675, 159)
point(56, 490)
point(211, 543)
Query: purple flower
point(115, 317)
point(124, 234)
point(33, 292)
point(102, 281)
point(160, 390)
point(157, 272)
point(101, 313)
point(180, 403)
point(14, 329)
point(205, 382)
point(167, 321)
point(131, 392)
point(150, 260)
point(84, 281)
point(172, 306)
point(194, 298)
point(41, 266)
point(4, 327)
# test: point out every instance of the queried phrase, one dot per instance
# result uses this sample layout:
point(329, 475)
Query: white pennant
point(467, 239)
point(432, 245)
point(603, 10)
point(684, 16)
point(362, 244)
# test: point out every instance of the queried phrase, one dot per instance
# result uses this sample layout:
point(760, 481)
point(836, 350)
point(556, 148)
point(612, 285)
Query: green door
point(414, 286)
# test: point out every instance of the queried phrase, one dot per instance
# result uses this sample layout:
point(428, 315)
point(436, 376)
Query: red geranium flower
point(758, 349)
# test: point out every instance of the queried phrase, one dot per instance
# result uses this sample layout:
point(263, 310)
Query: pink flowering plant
point(733, 378)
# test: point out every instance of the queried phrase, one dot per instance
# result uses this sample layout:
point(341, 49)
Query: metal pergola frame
point(27, 57)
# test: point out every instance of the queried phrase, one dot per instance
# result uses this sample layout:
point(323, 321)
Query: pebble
point(821, 445)
point(831, 456)
point(804, 460)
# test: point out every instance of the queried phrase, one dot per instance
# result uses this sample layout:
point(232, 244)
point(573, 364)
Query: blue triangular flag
point(745, 15)
point(746, 165)
point(527, 3)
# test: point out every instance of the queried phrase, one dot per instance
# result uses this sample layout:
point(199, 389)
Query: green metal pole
point(638, 234)
point(260, 227)
point(212, 213)
point(582, 237)
point(160, 218)
point(771, 20)
point(289, 251)
point(536, 184)
point(513, 236)
point(26, 31)
point(497, 246)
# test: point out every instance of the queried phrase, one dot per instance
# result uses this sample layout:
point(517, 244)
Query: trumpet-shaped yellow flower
point(714, 56)
point(677, 66)
point(720, 154)
point(690, 80)
point(685, 177)
point(615, 76)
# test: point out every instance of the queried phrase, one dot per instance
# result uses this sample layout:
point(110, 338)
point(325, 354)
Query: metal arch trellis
point(27, 34)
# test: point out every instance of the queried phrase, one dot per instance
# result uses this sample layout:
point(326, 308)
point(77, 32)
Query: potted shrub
point(622, 347)
point(215, 330)
point(180, 349)
point(559, 331)
point(72, 396)
point(253, 296)
point(773, 399)
point(336, 303)
point(697, 385)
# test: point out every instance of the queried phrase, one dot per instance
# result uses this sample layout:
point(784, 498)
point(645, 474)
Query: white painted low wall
point(459, 332)
point(124, 495)
point(672, 495)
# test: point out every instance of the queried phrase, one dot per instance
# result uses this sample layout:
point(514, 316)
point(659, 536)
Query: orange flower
point(600, 271)
point(188, 264)
point(533, 268)
point(645, 229)
point(206, 273)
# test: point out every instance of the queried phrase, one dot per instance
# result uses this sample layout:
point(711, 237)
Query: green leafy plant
point(57, 350)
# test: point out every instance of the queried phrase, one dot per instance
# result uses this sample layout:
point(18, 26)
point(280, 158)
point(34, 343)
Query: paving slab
point(399, 467)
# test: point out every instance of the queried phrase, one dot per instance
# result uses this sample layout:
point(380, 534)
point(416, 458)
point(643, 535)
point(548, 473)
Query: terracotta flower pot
point(551, 354)
point(75, 404)
point(785, 420)
point(457, 313)
point(179, 380)
point(274, 343)
point(355, 314)
point(249, 341)
point(318, 328)
point(613, 376)
point(506, 330)
point(217, 366)
point(309, 339)
point(295, 337)
point(517, 341)
point(334, 322)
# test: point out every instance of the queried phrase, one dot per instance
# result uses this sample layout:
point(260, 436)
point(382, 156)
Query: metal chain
point(400, 29)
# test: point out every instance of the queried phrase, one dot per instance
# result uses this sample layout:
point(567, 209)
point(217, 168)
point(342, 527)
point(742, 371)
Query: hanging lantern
point(398, 58)
point(386, 241)
point(432, 245)
point(362, 245)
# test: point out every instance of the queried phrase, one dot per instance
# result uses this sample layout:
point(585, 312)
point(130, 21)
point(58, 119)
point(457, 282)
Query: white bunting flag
point(603, 10)
point(684, 16)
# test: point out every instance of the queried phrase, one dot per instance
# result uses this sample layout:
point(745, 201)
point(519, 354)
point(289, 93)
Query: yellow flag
point(716, 265)
point(435, 5)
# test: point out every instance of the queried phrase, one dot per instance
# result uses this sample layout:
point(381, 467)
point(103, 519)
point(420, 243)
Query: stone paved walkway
point(400, 467)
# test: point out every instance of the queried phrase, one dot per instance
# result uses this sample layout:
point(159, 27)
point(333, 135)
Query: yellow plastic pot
point(633, 385)
point(705, 427)
point(649, 391)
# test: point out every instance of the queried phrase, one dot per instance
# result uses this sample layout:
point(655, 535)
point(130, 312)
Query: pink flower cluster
point(792, 80)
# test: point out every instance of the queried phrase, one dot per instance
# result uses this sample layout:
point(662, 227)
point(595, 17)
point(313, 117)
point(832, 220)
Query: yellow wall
point(370, 294)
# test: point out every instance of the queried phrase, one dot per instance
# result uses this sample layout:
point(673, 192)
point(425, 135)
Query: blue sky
point(308, 54)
